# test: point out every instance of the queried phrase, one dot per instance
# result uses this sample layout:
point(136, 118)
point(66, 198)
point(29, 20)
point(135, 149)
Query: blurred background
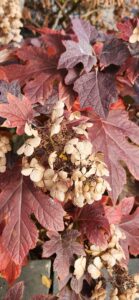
point(56, 14)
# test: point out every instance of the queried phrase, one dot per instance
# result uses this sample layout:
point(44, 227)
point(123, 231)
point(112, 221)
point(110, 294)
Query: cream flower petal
point(107, 186)
point(63, 175)
point(2, 169)
point(61, 186)
point(96, 196)
point(33, 162)
point(93, 271)
point(109, 259)
point(79, 200)
point(55, 193)
point(75, 115)
point(36, 175)
point(55, 129)
point(85, 148)
point(20, 151)
point(97, 262)
point(48, 183)
point(34, 142)
point(88, 198)
point(4, 140)
point(118, 254)
point(49, 173)
point(80, 130)
point(91, 171)
point(102, 170)
point(99, 187)
point(133, 38)
point(79, 267)
point(4, 149)
point(69, 148)
point(58, 111)
point(30, 131)
point(52, 158)
point(28, 150)
point(3, 160)
point(26, 171)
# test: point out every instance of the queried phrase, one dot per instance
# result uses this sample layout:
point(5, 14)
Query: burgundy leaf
point(128, 223)
point(114, 52)
point(18, 200)
point(110, 136)
point(53, 39)
point(6, 87)
point(81, 51)
point(8, 269)
point(38, 72)
point(96, 89)
point(67, 294)
point(17, 112)
point(15, 292)
point(76, 285)
point(93, 223)
point(67, 94)
point(84, 30)
point(77, 53)
point(72, 75)
point(115, 213)
point(65, 247)
point(40, 88)
point(126, 29)
point(132, 69)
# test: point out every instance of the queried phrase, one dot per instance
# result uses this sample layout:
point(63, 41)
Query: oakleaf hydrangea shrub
point(69, 138)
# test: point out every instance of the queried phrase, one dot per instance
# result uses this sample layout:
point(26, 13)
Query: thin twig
point(60, 13)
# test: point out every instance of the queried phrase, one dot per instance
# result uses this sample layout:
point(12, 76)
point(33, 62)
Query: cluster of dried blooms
point(10, 21)
point(4, 148)
point(126, 286)
point(108, 257)
point(130, 293)
point(71, 171)
point(101, 257)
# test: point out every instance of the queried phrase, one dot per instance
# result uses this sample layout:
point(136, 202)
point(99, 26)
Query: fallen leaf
point(46, 281)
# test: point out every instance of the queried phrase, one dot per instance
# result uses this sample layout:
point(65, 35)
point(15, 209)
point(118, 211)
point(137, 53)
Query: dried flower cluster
point(4, 148)
point(71, 172)
point(99, 292)
point(131, 289)
point(10, 15)
point(101, 257)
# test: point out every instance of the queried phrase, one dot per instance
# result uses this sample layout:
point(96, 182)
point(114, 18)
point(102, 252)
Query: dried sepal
point(79, 267)
point(5, 147)
point(135, 36)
